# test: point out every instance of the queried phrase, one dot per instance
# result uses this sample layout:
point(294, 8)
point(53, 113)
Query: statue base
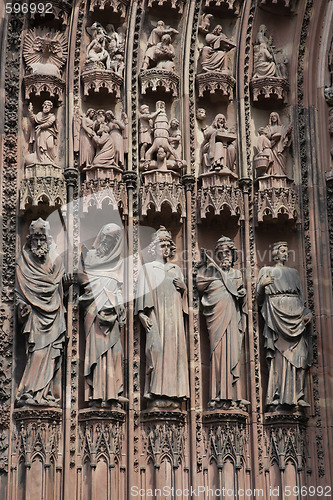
point(217, 83)
point(159, 80)
point(269, 91)
point(96, 80)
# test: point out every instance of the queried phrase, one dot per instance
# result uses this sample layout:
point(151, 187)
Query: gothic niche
point(276, 196)
point(218, 177)
point(45, 54)
point(176, 5)
point(43, 178)
point(101, 140)
point(158, 67)
point(161, 161)
point(104, 65)
point(269, 84)
point(215, 76)
point(117, 6)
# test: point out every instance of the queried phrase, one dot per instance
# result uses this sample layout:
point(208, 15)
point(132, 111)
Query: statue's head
point(225, 252)
point(174, 123)
point(166, 39)
point(280, 251)
point(162, 244)
point(108, 238)
point(161, 24)
point(91, 113)
point(262, 29)
point(219, 121)
point(144, 109)
point(38, 238)
point(217, 30)
point(161, 154)
point(201, 114)
point(274, 118)
point(47, 106)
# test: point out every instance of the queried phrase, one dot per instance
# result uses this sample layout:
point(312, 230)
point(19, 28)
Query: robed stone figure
point(287, 341)
point(161, 302)
point(104, 315)
point(223, 301)
point(39, 298)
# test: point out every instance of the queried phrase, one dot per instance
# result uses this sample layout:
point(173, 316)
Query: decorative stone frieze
point(275, 198)
point(217, 83)
point(278, 6)
point(164, 439)
point(177, 6)
point(157, 80)
point(59, 10)
point(270, 91)
point(162, 189)
point(42, 184)
point(219, 193)
point(96, 80)
point(117, 6)
point(107, 191)
point(225, 6)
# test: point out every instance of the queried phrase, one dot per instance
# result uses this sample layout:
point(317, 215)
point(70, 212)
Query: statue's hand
point(307, 319)
point(68, 279)
point(179, 284)
point(24, 310)
point(145, 321)
point(267, 280)
point(241, 293)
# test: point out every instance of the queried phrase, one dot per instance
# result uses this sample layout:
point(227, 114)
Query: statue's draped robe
point(225, 319)
point(166, 353)
point(44, 139)
point(279, 142)
point(39, 285)
point(287, 345)
point(103, 362)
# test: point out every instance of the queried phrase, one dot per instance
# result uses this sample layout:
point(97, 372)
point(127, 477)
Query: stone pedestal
point(220, 84)
point(269, 91)
point(42, 184)
point(52, 85)
point(276, 197)
point(159, 80)
point(162, 187)
point(96, 80)
point(219, 192)
point(104, 192)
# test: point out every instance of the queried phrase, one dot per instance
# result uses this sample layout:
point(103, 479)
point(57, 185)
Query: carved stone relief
point(45, 54)
point(175, 5)
point(164, 440)
point(227, 6)
point(278, 6)
point(269, 82)
point(158, 68)
point(287, 338)
point(104, 64)
point(215, 75)
point(42, 317)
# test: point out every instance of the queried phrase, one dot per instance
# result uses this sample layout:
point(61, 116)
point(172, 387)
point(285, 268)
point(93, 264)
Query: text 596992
point(25, 8)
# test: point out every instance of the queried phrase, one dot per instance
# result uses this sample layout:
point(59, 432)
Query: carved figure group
point(163, 137)
point(218, 149)
point(273, 143)
point(160, 52)
point(41, 313)
point(214, 53)
point(224, 307)
point(161, 295)
point(43, 134)
point(106, 48)
point(103, 140)
point(267, 60)
point(287, 340)
point(104, 316)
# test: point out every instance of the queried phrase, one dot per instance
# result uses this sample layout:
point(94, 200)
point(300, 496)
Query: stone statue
point(161, 302)
point(218, 148)
point(42, 136)
point(87, 145)
point(214, 53)
point(39, 298)
point(104, 316)
point(45, 51)
point(267, 61)
point(161, 136)
point(146, 128)
point(118, 133)
point(160, 52)
point(175, 137)
point(287, 341)
point(275, 141)
point(223, 300)
point(204, 23)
